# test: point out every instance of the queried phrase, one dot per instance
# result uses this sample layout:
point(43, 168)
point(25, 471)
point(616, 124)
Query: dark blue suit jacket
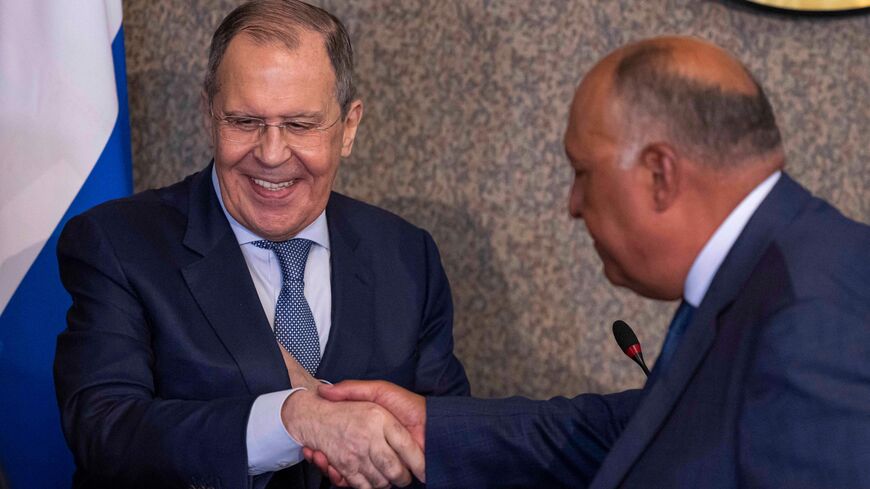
point(769, 388)
point(167, 344)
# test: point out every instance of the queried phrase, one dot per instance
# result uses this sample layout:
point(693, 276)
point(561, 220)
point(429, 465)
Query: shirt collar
point(711, 256)
point(317, 231)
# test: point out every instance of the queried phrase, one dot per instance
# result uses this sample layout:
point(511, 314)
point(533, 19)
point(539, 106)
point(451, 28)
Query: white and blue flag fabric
point(64, 147)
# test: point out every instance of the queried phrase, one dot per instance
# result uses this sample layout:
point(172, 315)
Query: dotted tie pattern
point(294, 323)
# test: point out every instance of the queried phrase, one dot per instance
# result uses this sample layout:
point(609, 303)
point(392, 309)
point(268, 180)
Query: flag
point(64, 147)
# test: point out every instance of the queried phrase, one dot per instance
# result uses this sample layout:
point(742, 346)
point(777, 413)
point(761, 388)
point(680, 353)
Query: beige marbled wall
point(466, 103)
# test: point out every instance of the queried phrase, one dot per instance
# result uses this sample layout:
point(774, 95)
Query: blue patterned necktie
point(294, 323)
point(675, 332)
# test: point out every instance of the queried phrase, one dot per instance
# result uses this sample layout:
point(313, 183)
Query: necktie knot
point(292, 256)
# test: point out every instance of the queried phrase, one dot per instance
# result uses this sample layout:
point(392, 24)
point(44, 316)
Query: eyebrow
point(295, 115)
point(305, 115)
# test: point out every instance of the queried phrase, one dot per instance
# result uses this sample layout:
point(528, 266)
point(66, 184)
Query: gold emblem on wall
point(815, 5)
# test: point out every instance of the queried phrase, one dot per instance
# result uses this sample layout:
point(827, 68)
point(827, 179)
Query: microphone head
point(625, 337)
point(628, 343)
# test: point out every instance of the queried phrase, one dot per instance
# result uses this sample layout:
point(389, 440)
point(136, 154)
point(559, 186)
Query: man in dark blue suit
point(193, 303)
point(764, 378)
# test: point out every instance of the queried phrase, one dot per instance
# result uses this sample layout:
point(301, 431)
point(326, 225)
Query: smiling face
point(269, 186)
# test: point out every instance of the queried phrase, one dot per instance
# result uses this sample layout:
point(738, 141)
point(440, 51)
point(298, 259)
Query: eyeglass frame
point(283, 127)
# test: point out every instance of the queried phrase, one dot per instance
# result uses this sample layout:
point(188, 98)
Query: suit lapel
point(778, 208)
point(349, 347)
point(221, 284)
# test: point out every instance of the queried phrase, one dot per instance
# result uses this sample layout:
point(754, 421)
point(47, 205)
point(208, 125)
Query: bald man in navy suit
point(764, 378)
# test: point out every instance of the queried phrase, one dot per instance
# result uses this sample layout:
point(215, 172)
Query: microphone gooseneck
point(628, 343)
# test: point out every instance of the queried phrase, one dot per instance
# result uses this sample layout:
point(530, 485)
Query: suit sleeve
point(806, 416)
point(116, 428)
point(517, 442)
point(439, 372)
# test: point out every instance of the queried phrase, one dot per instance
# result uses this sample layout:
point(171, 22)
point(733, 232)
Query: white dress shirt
point(269, 445)
point(707, 262)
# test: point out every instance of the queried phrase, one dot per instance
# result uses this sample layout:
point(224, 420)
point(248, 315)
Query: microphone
point(628, 343)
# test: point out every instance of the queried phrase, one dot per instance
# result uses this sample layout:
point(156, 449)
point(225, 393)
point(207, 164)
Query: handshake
point(363, 434)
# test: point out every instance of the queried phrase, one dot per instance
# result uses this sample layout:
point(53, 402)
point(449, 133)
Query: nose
point(272, 149)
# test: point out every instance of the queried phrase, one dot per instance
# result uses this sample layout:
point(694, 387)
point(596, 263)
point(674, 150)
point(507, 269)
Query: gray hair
point(719, 127)
point(280, 21)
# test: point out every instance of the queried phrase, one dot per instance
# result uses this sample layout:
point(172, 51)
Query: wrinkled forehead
point(267, 78)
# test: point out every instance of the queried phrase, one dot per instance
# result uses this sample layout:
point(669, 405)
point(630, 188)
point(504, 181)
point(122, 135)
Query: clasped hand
point(361, 434)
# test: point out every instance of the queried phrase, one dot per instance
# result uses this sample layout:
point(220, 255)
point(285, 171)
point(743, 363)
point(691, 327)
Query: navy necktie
point(294, 323)
point(675, 332)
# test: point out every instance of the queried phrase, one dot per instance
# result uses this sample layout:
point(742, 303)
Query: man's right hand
point(362, 441)
point(408, 408)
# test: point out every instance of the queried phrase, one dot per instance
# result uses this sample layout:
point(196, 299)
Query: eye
point(244, 123)
point(300, 126)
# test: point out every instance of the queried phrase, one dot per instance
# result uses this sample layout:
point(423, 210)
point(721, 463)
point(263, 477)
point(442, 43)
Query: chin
point(281, 232)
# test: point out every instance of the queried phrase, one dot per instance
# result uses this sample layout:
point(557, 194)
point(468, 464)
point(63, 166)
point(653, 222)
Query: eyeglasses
point(297, 133)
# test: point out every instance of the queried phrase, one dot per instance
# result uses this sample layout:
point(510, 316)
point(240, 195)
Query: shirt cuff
point(270, 447)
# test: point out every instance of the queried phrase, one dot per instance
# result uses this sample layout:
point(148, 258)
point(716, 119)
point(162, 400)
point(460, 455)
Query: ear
point(351, 124)
point(661, 162)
